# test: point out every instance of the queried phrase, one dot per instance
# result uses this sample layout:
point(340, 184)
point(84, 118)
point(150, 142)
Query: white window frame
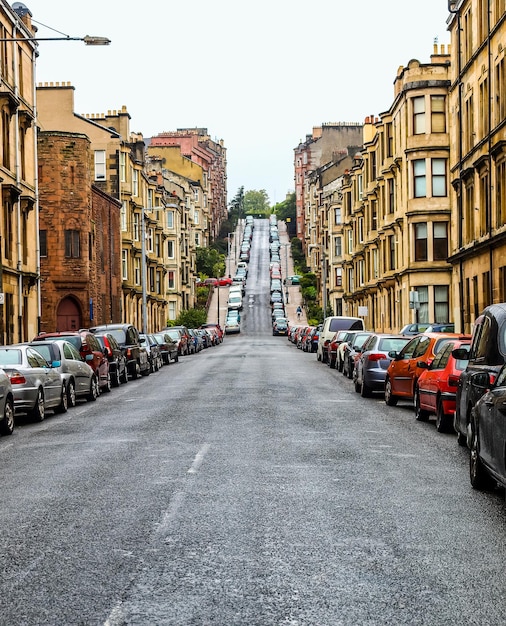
point(100, 165)
point(124, 264)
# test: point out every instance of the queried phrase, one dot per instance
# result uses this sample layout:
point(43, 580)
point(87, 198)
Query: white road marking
point(199, 457)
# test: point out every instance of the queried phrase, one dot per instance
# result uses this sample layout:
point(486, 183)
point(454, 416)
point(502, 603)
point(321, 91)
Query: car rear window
point(387, 344)
point(119, 335)
point(345, 323)
point(10, 357)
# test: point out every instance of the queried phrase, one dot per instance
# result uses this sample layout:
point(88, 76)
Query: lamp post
point(19, 31)
point(229, 252)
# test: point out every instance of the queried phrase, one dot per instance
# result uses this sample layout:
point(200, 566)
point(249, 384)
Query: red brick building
point(80, 241)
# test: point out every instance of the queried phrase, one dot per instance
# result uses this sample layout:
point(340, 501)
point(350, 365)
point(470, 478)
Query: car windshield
point(75, 340)
point(118, 334)
point(45, 350)
point(9, 356)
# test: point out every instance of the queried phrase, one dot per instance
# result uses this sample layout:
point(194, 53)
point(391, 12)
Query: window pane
point(419, 178)
point(439, 177)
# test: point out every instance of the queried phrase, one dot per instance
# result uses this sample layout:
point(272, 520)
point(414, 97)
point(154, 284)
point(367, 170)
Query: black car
point(128, 339)
point(149, 342)
point(487, 460)
point(168, 342)
point(117, 360)
point(486, 356)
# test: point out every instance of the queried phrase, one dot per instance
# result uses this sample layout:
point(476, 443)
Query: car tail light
point(129, 353)
point(492, 379)
point(376, 356)
point(453, 380)
point(17, 378)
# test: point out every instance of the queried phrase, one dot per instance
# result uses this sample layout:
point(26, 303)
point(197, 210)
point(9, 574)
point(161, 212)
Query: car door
point(400, 368)
point(49, 377)
point(79, 369)
point(492, 426)
point(430, 382)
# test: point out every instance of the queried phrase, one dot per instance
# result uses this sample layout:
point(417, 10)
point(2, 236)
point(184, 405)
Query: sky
point(258, 75)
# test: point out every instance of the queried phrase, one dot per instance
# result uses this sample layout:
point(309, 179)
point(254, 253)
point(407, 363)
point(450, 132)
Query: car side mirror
point(393, 354)
point(55, 363)
point(89, 357)
point(461, 354)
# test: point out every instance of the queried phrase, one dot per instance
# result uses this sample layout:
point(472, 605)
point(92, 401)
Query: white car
point(235, 302)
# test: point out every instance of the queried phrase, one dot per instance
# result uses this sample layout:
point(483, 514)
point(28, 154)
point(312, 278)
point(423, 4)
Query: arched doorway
point(68, 315)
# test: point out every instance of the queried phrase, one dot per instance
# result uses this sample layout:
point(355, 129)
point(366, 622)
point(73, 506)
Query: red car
point(225, 281)
point(437, 386)
point(333, 345)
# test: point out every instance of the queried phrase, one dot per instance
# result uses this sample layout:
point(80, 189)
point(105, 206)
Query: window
point(438, 115)
point(360, 230)
point(149, 240)
point(350, 241)
point(500, 91)
point(339, 276)
point(99, 164)
point(484, 108)
point(419, 115)
point(391, 195)
point(337, 216)
point(122, 167)
point(389, 140)
point(360, 186)
point(469, 134)
point(170, 249)
point(197, 239)
point(196, 194)
point(440, 230)
point(135, 182)
point(171, 281)
point(123, 216)
point(196, 217)
point(136, 227)
point(338, 248)
point(391, 252)
point(137, 271)
point(500, 194)
point(419, 177)
point(441, 304)
point(43, 242)
point(124, 265)
point(421, 242)
point(72, 250)
point(374, 215)
point(170, 219)
point(438, 177)
point(423, 300)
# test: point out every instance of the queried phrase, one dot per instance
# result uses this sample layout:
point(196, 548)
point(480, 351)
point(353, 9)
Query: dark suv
point(486, 357)
point(89, 349)
point(130, 343)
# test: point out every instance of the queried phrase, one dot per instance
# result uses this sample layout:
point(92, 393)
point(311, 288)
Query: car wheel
point(390, 399)
point(443, 423)
point(365, 390)
point(71, 394)
point(124, 376)
point(63, 406)
point(420, 414)
point(176, 358)
point(38, 412)
point(107, 387)
point(7, 423)
point(350, 371)
point(480, 479)
point(339, 365)
point(115, 379)
point(136, 370)
point(357, 385)
point(94, 390)
point(318, 356)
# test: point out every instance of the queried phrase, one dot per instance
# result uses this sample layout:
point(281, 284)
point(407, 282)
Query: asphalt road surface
point(246, 485)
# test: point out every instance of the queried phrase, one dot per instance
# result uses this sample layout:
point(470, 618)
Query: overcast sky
point(258, 75)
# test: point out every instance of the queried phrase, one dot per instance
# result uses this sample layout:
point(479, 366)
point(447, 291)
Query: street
point(248, 484)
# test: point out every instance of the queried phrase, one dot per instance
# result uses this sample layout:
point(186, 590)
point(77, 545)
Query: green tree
point(192, 318)
point(207, 258)
point(257, 203)
point(236, 206)
point(286, 210)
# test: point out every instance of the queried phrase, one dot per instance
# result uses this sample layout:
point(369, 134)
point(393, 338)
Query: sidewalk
point(220, 294)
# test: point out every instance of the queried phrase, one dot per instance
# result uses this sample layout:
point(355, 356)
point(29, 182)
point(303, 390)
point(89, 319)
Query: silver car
point(78, 377)
point(36, 384)
point(6, 405)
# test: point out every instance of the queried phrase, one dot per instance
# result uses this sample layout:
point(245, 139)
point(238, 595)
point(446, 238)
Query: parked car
point(235, 301)
point(373, 361)
point(352, 353)
point(487, 354)
point(487, 459)
point(440, 328)
point(232, 325)
point(170, 344)
point(332, 346)
point(118, 370)
point(153, 350)
point(79, 380)
point(405, 369)
point(6, 405)
point(437, 386)
point(36, 384)
point(331, 325)
point(89, 348)
point(128, 339)
point(216, 327)
point(342, 348)
point(280, 326)
point(196, 339)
